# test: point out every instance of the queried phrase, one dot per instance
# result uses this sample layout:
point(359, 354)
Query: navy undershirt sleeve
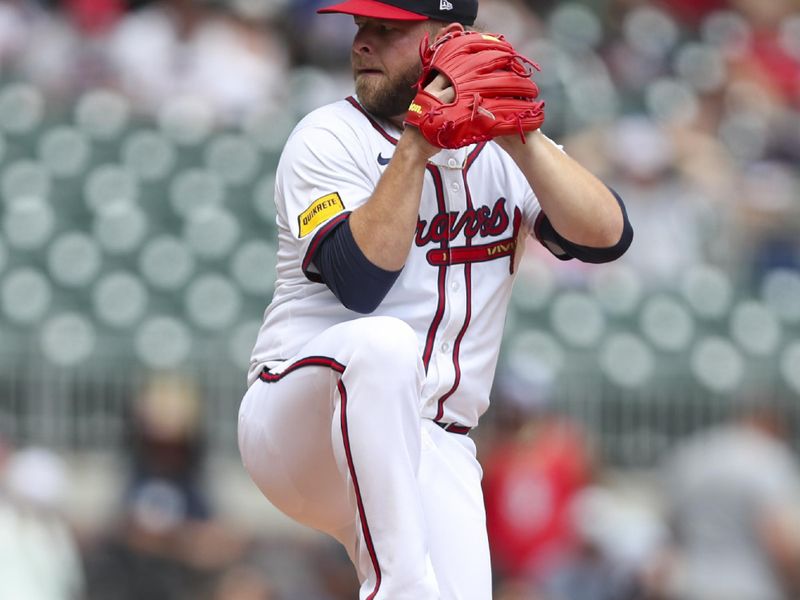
point(357, 283)
point(563, 249)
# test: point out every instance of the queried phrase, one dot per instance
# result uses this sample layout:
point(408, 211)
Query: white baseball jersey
point(455, 286)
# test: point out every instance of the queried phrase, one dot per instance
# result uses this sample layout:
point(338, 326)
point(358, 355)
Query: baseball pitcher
point(401, 214)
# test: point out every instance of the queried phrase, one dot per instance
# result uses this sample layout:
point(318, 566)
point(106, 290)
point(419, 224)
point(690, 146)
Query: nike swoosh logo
point(383, 161)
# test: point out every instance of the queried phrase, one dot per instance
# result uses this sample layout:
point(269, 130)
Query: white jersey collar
point(451, 159)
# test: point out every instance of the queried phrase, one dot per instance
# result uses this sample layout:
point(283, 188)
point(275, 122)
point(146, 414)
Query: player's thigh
point(286, 447)
point(450, 482)
point(289, 431)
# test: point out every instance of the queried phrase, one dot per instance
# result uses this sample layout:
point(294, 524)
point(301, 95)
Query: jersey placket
point(446, 354)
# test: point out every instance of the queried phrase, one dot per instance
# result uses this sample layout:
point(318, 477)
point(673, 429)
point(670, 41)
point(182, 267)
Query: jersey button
point(445, 347)
point(452, 163)
point(454, 286)
point(455, 187)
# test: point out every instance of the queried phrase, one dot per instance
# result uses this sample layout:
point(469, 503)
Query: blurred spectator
point(617, 540)
point(13, 32)
point(49, 56)
point(39, 556)
point(334, 571)
point(733, 494)
point(293, 568)
point(166, 544)
point(167, 445)
point(675, 221)
point(243, 582)
point(94, 16)
point(184, 49)
point(692, 12)
point(532, 473)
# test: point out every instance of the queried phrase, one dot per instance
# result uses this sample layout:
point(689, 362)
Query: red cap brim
point(372, 9)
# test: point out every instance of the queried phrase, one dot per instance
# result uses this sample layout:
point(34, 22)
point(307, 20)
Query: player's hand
point(514, 145)
point(442, 89)
point(414, 142)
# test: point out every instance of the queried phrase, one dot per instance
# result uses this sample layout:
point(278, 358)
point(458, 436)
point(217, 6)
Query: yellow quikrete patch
point(320, 211)
point(415, 108)
point(489, 37)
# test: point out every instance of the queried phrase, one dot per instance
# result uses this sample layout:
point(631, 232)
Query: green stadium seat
point(534, 287)
point(627, 360)
point(253, 268)
point(25, 178)
point(264, 198)
point(68, 339)
point(119, 299)
point(790, 366)
point(212, 302)
point(194, 189)
point(666, 323)
point(234, 158)
point(74, 259)
point(162, 342)
point(717, 364)
point(577, 319)
point(149, 154)
point(618, 289)
point(110, 183)
point(120, 227)
point(755, 328)
point(535, 356)
point(780, 290)
point(269, 129)
point(575, 27)
point(186, 121)
point(65, 151)
point(211, 232)
point(166, 263)
point(102, 114)
point(726, 30)
point(26, 295)
point(22, 108)
point(650, 31)
point(708, 291)
point(671, 101)
point(28, 223)
point(702, 66)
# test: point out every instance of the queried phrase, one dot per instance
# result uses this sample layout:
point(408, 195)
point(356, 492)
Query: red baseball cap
point(448, 11)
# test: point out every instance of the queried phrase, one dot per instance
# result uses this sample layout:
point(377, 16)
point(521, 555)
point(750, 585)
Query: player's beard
point(388, 96)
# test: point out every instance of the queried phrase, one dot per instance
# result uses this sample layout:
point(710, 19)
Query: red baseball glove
point(494, 92)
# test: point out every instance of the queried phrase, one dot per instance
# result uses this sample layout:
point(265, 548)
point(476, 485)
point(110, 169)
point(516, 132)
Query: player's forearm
point(384, 227)
point(579, 206)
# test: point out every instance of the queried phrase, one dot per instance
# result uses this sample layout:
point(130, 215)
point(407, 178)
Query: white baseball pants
point(333, 438)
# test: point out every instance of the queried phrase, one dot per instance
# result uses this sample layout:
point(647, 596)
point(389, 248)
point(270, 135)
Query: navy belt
point(454, 428)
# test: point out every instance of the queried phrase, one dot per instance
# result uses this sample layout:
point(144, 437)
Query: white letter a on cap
point(445, 5)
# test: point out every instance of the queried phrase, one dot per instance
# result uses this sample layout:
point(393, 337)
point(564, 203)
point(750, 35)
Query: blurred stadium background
point(138, 142)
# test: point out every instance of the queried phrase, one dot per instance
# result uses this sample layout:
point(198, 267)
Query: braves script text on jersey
point(338, 427)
